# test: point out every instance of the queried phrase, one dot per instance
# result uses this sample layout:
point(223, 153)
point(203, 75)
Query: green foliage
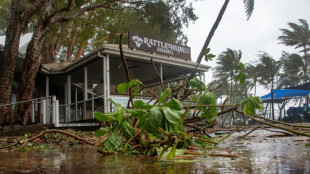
point(172, 115)
point(208, 57)
point(102, 131)
point(207, 98)
point(174, 104)
point(128, 129)
point(196, 83)
point(241, 76)
point(113, 142)
point(155, 118)
point(123, 87)
point(142, 105)
point(164, 95)
point(109, 116)
point(250, 105)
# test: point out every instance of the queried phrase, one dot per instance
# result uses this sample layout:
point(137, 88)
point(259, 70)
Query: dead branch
point(126, 67)
point(213, 154)
point(273, 125)
point(204, 140)
point(250, 131)
point(275, 121)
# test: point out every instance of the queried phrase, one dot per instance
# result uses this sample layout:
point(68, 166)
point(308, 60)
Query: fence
point(44, 110)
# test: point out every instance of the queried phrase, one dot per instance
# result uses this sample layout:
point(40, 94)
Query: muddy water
point(259, 155)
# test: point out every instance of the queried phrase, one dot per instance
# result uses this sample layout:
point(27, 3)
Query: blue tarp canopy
point(286, 93)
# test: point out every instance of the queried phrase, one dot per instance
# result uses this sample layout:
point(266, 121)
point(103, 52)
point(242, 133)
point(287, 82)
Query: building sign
point(148, 44)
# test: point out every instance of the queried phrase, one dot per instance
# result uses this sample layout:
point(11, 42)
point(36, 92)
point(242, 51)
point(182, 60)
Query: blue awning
point(286, 93)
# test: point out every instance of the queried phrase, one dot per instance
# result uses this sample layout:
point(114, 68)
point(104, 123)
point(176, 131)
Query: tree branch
point(65, 18)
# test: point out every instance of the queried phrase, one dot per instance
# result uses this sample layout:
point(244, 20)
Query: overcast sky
point(259, 33)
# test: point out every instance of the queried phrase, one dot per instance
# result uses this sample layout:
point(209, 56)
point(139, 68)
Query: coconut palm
point(293, 70)
point(252, 73)
point(225, 66)
point(268, 69)
point(299, 37)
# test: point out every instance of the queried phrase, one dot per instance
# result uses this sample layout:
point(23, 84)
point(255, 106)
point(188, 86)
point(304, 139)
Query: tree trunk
point(48, 53)
point(79, 52)
point(31, 65)
point(70, 44)
point(8, 63)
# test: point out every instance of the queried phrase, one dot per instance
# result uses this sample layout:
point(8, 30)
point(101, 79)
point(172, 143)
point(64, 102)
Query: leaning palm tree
point(294, 69)
point(248, 7)
point(299, 37)
point(269, 69)
point(252, 73)
point(225, 66)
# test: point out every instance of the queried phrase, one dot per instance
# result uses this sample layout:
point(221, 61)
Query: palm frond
point(249, 7)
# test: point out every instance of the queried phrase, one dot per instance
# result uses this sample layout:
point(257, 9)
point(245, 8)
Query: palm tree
point(268, 69)
point(225, 66)
point(293, 70)
point(299, 37)
point(248, 6)
point(253, 73)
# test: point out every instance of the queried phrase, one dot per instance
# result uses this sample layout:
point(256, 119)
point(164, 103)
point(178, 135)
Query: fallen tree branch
point(204, 140)
point(275, 121)
point(250, 131)
point(213, 154)
point(273, 125)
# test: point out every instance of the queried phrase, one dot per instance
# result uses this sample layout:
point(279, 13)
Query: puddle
point(260, 155)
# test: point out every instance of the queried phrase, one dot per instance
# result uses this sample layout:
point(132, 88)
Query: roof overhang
point(113, 51)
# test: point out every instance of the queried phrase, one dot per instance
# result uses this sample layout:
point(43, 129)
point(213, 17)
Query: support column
point(47, 85)
point(161, 73)
point(76, 107)
point(104, 76)
point(48, 101)
point(93, 106)
point(85, 92)
point(203, 77)
point(43, 111)
point(64, 116)
point(108, 92)
point(32, 112)
point(68, 106)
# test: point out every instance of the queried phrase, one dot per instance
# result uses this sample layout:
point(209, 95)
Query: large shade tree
point(42, 16)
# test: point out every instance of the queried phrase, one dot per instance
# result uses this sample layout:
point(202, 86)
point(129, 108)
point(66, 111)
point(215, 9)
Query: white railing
point(46, 108)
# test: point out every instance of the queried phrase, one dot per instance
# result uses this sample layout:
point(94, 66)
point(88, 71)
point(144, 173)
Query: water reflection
point(260, 155)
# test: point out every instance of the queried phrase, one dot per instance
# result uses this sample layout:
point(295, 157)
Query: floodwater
point(259, 155)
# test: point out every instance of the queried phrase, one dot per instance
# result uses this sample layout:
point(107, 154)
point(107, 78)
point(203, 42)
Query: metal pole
point(272, 106)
